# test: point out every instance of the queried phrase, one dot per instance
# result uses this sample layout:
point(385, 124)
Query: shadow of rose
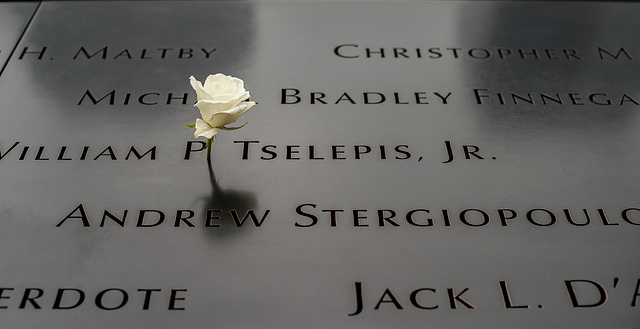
point(225, 202)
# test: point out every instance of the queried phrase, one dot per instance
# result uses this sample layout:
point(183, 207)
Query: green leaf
point(232, 128)
point(189, 125)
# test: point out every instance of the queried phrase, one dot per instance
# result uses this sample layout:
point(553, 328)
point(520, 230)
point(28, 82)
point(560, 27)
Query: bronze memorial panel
point(406, 165)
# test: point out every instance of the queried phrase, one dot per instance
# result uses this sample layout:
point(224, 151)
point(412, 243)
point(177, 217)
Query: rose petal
point(225, 88)
point(243, 107)
point(209, 108)
point(201, 93)
point(204, 130)
point(232, 98)
point(221, 119)
point(224, 118)
point(224, 84)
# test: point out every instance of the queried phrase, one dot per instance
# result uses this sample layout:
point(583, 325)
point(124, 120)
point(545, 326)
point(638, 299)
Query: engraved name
point(582, 294)
point(119, 54)
point(65, 153)
point(311, 215)
point(148, 218)
point(107, 299)
point(356, 51)
point(485, 96)
point(296, 96)
point(127, 98)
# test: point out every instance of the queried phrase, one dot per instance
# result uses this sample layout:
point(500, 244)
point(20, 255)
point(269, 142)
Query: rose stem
point(209, 148)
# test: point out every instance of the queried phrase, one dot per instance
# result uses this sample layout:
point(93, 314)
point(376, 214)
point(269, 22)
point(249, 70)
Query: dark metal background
point(278, 275)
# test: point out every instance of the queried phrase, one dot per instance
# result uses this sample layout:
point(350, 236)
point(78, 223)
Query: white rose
point(221, 101)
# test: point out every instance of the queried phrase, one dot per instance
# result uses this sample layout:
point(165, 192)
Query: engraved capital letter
point(447, 145)
point(358, 299)
point(83, 216)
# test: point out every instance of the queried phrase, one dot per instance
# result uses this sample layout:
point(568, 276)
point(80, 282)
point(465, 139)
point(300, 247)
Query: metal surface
point(551, 160)
point(14, 17)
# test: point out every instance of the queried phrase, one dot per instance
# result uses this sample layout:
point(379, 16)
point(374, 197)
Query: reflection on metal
point(236, 202)
point(14, 20)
